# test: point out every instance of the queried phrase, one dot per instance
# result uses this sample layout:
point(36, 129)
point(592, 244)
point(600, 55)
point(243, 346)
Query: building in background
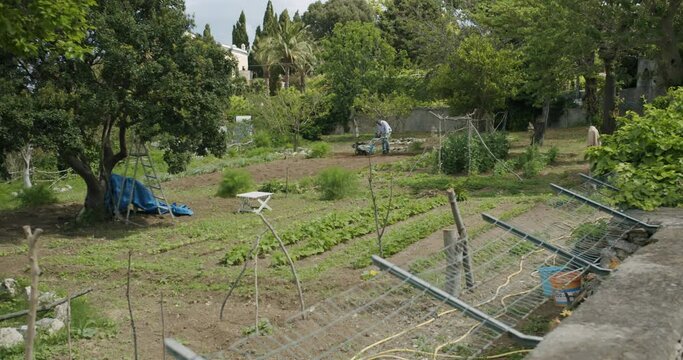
point(242, 56)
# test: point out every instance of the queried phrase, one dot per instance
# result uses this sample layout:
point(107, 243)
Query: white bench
point(247, 199)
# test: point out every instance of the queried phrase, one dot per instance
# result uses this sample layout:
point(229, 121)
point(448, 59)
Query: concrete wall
point(419, 120)
point(637, 312)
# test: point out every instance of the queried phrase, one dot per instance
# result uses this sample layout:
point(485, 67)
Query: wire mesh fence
point(386, 317)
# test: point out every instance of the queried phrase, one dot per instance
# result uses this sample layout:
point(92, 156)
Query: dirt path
point(298, 168)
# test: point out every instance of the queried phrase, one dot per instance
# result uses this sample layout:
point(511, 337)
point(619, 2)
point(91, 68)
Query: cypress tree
point(269, 20)
point(239, 32)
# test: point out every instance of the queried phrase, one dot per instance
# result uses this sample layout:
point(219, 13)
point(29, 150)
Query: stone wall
point(637, 312)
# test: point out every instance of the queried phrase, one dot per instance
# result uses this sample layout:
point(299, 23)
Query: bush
point(551, 155)
point(263, 140)
point(320, 149)
point(644, 155)
point(455, 157)
point(336, 183)
point(531, 161)
point(36, 196)
point(503, 167)
point(234, 182)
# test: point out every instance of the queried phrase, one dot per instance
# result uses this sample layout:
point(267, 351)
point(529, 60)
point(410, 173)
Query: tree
point(144, 75)
point(297, 17)
point(239, 32)
point(290, 112)
point(284, 19)
point(265, 54)
point(356, 59)
point(549, 64)
point(479, 76)
point(665, 21)
point(293, 47)
point(269, 20)
point(28, 26)
point(404, 21)
point(322, 17)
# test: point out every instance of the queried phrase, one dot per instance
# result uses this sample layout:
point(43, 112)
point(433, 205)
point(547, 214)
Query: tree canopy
point(321, 17)
point(26, 27)
point(144, 75)
point(356, 59)
point(239, 32)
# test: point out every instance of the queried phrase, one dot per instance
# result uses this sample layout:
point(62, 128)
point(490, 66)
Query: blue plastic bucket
point(546, 272)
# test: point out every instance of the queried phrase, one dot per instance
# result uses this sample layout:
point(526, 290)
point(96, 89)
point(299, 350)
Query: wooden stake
point(256, 286)
point(68, 324)
point(467, 261)
point(453, 262)
point(33, 298)
point(130, 308)
point(163, 325)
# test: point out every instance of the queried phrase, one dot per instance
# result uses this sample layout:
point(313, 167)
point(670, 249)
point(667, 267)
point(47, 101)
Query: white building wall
point(242, 57)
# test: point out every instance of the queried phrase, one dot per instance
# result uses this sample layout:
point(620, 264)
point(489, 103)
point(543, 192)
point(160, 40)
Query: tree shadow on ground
point(61, 219)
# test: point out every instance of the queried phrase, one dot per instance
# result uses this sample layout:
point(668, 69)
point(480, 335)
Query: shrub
point(36, 196)
point(531, 161)
point(275, 186)
point(320, 149)
point(263, 139)
point(336, 183)
point(644, 155)
point(234, 182)
point(456, 158)
point(503, 167)
point(551, 155)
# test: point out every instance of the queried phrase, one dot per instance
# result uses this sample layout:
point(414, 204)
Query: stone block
point(49, 326)
point(62, 312)
point(10, 337)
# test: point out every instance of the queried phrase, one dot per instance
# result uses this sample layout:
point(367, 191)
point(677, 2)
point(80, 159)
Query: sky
point(221, 15)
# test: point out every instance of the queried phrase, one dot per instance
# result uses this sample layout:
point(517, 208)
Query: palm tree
point(266, 55)
point(294, 45)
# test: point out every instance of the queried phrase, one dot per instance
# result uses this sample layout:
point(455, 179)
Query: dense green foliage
point(479, 75)
point(321, 17)
point(144, 75)
point(320, 149)
point(239, 32)
point(36, 195)
point(234, 181)
point(456, 157)
point(29, 27)
point(644, 157)
point(357, 60)
point(336, 183)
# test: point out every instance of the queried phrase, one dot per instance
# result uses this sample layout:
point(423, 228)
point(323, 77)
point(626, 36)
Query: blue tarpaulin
point(143, 200)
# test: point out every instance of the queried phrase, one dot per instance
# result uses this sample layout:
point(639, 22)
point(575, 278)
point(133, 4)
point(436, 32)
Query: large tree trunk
point(98, 185)
point(590, 99)
point(609, 99)
point(266, 76)
point(672, 65)
point(541, 124)
point(96, 188)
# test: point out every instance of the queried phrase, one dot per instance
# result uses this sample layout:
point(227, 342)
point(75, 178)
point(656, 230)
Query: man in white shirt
point(384, 132)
